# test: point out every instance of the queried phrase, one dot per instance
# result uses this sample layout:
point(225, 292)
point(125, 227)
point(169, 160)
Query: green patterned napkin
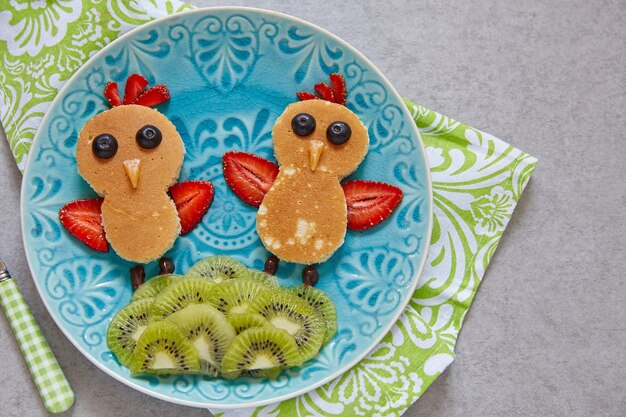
point(477, 181)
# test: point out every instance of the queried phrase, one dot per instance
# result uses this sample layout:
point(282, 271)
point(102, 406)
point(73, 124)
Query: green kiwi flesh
point(126, 328)
point(218, 269)
point(209, 333)
point(153, 286)
point(163, 349)
point(263, 277)
point(270, 373)
point(261, 348)
point(181, 294)
point(319, 300)
point(221, 319)
point(284, 310)
point(236, 295)
point(245, 321)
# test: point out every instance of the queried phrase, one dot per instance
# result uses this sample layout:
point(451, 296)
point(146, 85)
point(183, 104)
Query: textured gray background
point(547, 333)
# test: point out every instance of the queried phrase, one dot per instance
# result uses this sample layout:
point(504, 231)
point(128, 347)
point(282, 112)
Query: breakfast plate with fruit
point(226, 207)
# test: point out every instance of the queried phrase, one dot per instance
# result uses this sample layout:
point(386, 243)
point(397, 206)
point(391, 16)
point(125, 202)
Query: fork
point(53, 387)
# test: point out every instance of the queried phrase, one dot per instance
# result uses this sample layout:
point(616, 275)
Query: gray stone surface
point(547, 332)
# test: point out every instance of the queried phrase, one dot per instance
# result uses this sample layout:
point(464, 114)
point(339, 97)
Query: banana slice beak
point(316, 148)
point(133, 169)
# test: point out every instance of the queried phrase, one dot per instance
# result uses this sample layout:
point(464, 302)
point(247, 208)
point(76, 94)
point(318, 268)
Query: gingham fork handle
point(53, 387)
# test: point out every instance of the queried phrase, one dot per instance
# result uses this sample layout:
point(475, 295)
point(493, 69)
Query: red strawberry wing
point(83, 219)
point(369, 203)
point(134, 86)
point(192, 200)
point(338, 84)
point(249, 176)
point(112, 94)
point(154, 95)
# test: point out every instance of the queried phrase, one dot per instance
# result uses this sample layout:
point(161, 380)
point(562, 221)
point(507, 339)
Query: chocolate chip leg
point(137, 276)
point(166, 265)
point(310, 276)
point(271, 265)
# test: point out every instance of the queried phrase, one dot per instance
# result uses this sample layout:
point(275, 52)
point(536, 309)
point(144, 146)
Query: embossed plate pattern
point(231, 72)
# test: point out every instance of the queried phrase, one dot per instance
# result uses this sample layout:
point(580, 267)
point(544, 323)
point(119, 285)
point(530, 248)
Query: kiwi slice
point(261, 348)
point(245, 321)
point(181, 294)
point(236, 295)
point(286, 311)
point(163, 349)
point(208, 331)
point(126, 328)
point(218, 269)
point(319, 300)
point(263, 278)
point(270, 373)
point(153, 286)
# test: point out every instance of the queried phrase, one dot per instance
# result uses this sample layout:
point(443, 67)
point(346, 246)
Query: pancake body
point(303, 217)
point(306, 226)
point(141, 238)
point(141, 223)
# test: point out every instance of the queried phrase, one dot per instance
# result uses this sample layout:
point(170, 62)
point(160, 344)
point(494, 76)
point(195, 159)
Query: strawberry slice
point(154, 95)
point(83, 219)
point(369, 203)
point(339, 88)
point(249, 176)
point(134, 86)
point(192, 200)
point(325, 92)
point(303, 95)
point(112, 94)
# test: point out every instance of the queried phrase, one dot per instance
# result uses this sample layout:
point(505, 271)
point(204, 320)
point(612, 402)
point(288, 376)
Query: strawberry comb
point(335, 92)
point(136, 93)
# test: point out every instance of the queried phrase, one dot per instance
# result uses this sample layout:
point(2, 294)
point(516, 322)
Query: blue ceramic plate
point(231, 72)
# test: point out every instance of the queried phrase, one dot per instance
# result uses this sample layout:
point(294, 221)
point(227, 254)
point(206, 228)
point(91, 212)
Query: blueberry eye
point(104, 146)
point(303, 124)
point(149, 137)
point(338, 133)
